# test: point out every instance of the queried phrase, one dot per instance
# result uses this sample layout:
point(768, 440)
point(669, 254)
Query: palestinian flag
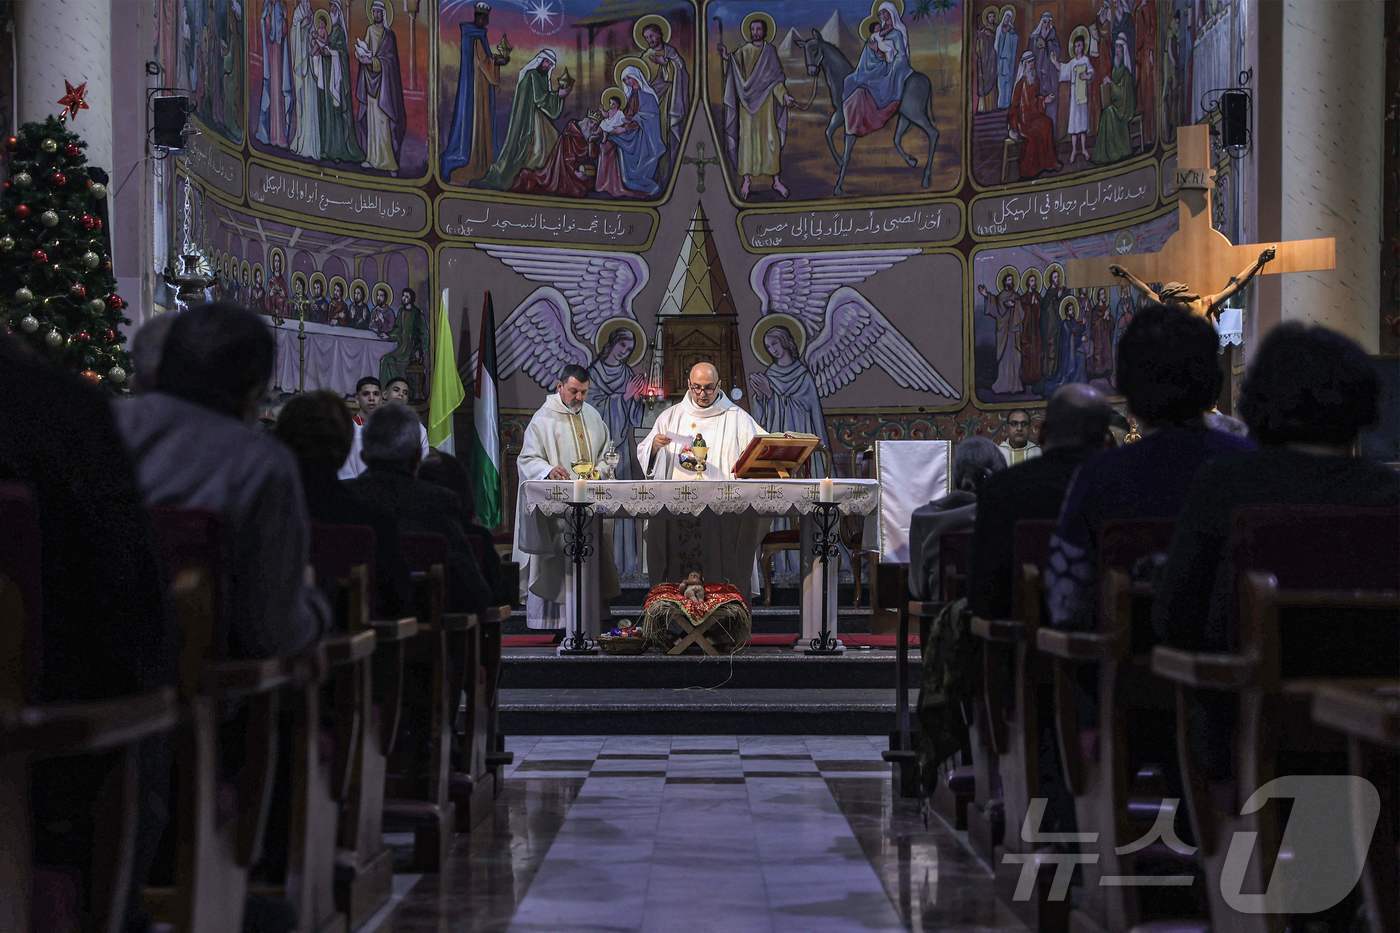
point(486, 418)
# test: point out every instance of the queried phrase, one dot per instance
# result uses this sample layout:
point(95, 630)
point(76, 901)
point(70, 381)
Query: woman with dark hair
point(1169, 373)
point(1308, 394)
point(316, 427)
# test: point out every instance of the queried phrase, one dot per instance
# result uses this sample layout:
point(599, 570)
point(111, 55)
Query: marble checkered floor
point(700, 833)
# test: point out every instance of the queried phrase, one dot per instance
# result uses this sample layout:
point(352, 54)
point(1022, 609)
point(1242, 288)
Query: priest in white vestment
point(722, 548)
point(564, 432)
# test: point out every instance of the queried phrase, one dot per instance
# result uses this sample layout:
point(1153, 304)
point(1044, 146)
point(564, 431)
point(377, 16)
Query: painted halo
point(1039, 279)
point(875, 7)
point(322, 16)
point(767, 22)
point(299, 277)
point(614, 93)
point(257, 268)
point(1007, 9)
point(344, 287)
point(1069, 303)
point(384, 288)
point(1080, 32)
point(768, 322)
point(388, 11)
point(1002, 273)
point(651, 19)
point(318, 277)
point(276, 253)
point(639, 337)
point(866, 25)
point(245, 272)
point(630, 61)
point(358, 283)
point(989, 15)
point(1053, 267)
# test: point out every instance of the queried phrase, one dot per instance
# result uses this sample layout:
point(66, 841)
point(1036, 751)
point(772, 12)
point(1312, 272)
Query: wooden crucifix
point(1201, 268)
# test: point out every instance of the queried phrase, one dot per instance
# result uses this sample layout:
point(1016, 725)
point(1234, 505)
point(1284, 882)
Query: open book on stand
point(775, 456)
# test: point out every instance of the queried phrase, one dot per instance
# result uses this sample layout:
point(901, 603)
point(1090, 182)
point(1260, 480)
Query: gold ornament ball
point(91, 259)
point(97, 190)
point(54, 339)
point(29, 323)
point(23, 295)
point(49, 218)
point(116, 375)
point(49, 145)
point(7, 243)
point(22, 179)
point(96, 305)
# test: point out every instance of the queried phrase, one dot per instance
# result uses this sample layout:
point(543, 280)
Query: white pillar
point(71, 40)
point(1320, 99)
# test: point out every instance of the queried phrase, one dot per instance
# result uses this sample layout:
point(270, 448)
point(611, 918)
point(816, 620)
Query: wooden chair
point(218, 826)
point(30, 733)
point(1293, 565)
point(419, 788)
point(1135, 134)
point(1010, 153)
point(1370, 719)
point(1103, 759)
point(492, 623)
point(368, 704)
point(783, 540)
point(1016, 683)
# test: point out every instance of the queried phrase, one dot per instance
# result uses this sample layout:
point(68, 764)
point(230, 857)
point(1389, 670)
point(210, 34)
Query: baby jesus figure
point(693, 588)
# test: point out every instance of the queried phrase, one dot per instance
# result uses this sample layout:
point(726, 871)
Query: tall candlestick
point(826, 490)
point(580, 490)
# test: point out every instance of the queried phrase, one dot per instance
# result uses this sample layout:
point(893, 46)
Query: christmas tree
point(57, 290)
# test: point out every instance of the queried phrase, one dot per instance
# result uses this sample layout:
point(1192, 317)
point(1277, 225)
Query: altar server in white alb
point(722, 548)
point(565, 432)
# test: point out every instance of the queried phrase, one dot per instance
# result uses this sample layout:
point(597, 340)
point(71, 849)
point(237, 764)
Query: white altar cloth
point(541, 505)
point(336, 357)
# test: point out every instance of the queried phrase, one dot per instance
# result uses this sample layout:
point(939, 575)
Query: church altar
point(542, 504)
point(336, 357)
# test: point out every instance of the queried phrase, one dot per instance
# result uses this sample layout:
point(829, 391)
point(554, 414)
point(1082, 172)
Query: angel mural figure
point(1181, 295)
point(670, 78)
point(785, 396)
point(1003, 308)
point(582, 314)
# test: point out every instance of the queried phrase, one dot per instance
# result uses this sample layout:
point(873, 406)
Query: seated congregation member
point(1075, 428)
point(974, 461)
point(145, 348)
point(1308, 394)
point(392, 453)
point(397, 392)
point(443, 469)
point(316, 427)
point(368, 396)
point(105, 631)
point(195, 446)
point(1168, 372)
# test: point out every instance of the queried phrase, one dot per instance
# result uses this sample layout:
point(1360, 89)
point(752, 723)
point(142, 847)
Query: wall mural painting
point(340, 83)
point(794, 89)
point(211, 63)
point(363, 302)
point(590, 101)
point(1034, 334)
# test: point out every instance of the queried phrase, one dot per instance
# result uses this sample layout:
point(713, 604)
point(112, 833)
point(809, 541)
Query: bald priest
point(565, 432)
point(722, 548)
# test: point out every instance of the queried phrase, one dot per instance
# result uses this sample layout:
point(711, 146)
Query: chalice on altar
point(584, 469)
point(693, 457)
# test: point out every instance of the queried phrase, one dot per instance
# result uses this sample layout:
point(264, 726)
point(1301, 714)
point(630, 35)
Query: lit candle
point(580, 490)
point(826, 490)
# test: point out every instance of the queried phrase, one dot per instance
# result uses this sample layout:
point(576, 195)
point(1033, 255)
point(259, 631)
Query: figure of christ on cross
point(1197, 254)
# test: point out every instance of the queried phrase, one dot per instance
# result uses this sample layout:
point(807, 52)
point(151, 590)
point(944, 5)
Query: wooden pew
point(1293, 565)
point(475, 793)
point(1370, 719)
point(1109, 762)
point(218, 847)
point(1016, 679)
point(31, 733)
point(368, 703)
point(419, 791)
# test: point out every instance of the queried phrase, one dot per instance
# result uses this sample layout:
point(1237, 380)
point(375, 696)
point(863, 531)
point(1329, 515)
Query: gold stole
point(583, 448)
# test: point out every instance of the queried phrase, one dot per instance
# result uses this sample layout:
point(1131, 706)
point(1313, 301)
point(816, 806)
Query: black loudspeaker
point(168, 121)
point(1234, 120)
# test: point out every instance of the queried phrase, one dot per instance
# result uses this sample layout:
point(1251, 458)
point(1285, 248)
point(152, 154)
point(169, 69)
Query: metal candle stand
point(824, 548)
point(578, 544)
